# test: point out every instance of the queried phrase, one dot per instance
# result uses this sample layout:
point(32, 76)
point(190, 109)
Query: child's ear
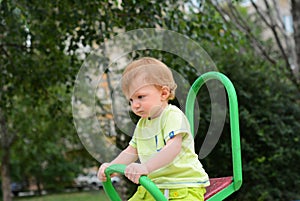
point(165, 93)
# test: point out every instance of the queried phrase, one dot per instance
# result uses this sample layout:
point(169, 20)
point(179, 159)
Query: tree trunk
point(296, 26)
point(38, 184)
point(5, 144)
point(5, 174)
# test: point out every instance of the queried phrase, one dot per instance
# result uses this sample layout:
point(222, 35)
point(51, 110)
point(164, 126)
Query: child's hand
point(101, 175)
point(134, 171)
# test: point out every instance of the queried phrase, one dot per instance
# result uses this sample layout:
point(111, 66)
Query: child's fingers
point(114, 174)
point(134, 171)
point(101, 175)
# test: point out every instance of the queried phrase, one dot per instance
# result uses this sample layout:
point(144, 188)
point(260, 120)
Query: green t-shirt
point(150, 136)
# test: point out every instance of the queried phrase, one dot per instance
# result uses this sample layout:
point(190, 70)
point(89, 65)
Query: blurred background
point(43, 45)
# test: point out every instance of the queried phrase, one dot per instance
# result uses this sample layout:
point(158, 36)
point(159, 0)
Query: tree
point(268, 96)
point(31, 64)
point(266, 18)
point(269, 116)
point(39, 52)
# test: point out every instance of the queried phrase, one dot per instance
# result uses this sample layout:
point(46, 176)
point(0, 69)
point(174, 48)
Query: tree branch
point(6, 139)
point(281, 26)
point(273, 25)
point(241, 25)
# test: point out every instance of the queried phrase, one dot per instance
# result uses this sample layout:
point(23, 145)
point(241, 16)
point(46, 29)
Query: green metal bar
point(108, 186)
point(234, 123)
point(225, 193)
point(144, 181)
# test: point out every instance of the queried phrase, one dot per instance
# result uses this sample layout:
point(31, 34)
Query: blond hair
point(153, 71)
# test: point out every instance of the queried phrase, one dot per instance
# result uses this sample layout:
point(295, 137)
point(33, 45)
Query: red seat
point(216, 185)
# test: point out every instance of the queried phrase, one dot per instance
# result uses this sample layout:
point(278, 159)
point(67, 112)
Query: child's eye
point(141, 96)
point(130, 101)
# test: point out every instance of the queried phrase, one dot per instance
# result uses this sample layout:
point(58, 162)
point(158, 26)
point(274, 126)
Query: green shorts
point(186, 194)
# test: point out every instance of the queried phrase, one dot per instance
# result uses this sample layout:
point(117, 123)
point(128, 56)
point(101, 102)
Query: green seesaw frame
point(218, 190)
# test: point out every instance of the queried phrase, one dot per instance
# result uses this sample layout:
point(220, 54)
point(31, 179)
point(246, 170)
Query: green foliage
point(269, 124)
point(36, 80)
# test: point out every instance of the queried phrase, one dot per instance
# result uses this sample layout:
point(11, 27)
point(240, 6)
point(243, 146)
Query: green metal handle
point(144, 181)
point(233, 115)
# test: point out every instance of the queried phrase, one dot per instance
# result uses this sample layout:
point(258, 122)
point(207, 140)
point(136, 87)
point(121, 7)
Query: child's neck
point(158, 112)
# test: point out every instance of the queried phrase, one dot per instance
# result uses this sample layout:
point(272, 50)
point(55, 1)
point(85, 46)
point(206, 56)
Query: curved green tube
point(234, 126)
point(144, 181)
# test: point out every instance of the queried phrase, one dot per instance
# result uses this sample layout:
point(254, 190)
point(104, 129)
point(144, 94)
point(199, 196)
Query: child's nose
point(135, 104)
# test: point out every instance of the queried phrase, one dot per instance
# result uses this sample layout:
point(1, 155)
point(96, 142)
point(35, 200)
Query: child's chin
point(144, 116)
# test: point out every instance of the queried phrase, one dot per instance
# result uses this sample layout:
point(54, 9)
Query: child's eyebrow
point(138, 92)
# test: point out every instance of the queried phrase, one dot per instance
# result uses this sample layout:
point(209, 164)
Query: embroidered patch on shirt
point(171, 134)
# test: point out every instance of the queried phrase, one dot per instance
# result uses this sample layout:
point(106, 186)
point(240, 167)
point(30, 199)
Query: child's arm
point(127, 156)
point(165, 156)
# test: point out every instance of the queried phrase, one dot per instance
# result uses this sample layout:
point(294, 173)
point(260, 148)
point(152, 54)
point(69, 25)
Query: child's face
point(148, 101)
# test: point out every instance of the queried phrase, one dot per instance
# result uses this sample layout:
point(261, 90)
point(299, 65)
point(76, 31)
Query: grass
point(74, 196)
